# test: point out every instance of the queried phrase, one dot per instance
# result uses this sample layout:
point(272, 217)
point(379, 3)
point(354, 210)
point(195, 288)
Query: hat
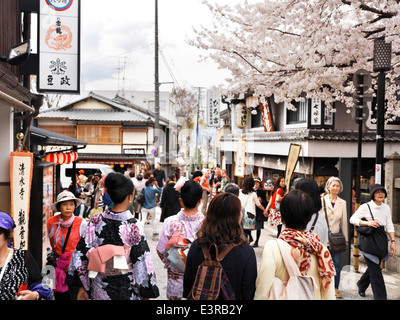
point(374, 188)
point(6, 222)
point(65, 196)
point(257, 180)
point(82, 171)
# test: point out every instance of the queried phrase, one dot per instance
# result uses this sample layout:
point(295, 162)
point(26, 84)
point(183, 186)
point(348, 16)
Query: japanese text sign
point(213, 109)
point(59, 46)
point(21, 168)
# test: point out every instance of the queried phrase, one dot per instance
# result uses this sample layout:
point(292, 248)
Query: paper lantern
point(52, 157)
point(68, 158)
point(61, 158)
point(74, 156)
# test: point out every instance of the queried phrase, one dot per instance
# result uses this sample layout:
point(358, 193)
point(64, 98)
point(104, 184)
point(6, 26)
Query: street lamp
point(18, 53)
point(382, 63)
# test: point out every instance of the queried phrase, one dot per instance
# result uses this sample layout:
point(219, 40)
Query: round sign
point(154, 152)
point(59, 5)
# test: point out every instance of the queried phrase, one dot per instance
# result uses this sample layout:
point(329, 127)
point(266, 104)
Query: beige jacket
point(272, 266)
point(337, 215)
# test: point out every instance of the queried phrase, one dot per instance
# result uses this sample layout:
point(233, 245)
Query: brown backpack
point(211, 282)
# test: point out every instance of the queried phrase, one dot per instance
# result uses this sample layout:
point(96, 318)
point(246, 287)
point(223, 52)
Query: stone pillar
point(392, 186)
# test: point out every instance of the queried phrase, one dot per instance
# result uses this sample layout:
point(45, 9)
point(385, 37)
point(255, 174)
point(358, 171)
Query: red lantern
point(74, 156)
point(67, 158)
point(61, 158)
point(52, 157)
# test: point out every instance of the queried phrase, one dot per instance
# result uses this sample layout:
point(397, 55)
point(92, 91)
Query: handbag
point(337, 241)
point(372, 240)
point(249, 219)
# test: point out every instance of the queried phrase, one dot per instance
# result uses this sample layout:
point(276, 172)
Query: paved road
point(349, 278)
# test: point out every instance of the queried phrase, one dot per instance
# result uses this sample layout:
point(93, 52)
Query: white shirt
point(381, 214)
point(249, 201)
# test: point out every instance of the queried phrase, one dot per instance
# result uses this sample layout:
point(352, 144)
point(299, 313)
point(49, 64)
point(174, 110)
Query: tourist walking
point(221, 227)
point(260, 214)
point(249, 201)
point(149, 205)
point(112, 261)
point(65, 230)
point(20, 276)
point(274, 215)
point(205, 184)
point(139, 186)
point(184, 224)
point(335, 210)
point(170, 204)
point(309, 254)
point(374, 214)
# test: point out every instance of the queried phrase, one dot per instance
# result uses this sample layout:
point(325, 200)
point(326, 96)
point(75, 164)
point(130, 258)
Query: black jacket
point(170, 204)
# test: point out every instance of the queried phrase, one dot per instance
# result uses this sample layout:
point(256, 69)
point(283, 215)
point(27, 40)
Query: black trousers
point(373, 275)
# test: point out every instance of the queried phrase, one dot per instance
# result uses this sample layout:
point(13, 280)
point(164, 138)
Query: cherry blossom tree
point(282, 48)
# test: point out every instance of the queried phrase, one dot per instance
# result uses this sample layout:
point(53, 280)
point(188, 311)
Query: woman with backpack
point(311, 257)
point(184, 225)
point(222, 228)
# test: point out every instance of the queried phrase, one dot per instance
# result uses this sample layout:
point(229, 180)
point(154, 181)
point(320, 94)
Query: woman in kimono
point(186, 223)
point(107, 233)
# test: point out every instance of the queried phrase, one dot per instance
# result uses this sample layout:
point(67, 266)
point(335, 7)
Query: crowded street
point(348, 285)
point(223, 151)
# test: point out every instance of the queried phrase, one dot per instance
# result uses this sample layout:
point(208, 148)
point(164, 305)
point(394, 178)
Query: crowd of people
point(99, 250)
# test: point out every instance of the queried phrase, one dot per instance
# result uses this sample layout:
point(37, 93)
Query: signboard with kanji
point(59, 46)
point(213, 109)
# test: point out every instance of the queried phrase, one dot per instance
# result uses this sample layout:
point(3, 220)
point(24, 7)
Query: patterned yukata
point(187, 226)
point(116, 229)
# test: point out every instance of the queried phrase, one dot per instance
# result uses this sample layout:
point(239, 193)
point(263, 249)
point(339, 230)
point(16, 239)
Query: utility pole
point(156, 88)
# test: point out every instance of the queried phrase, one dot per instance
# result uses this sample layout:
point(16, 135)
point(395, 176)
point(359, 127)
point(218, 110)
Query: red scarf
point(304, 244)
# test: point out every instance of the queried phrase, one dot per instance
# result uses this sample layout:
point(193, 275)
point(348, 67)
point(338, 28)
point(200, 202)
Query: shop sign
point(266, 117)
point(59, 46)
point(240, 161)
point(21, 169)
point(213, 109)
point(242, 115)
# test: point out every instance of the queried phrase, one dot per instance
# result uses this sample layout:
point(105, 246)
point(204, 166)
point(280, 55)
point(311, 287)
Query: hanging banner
point(59, 46)
point(242, 115)
point(213, 107)
point(293, 157)
point(266, 117)
point(21, 169)
point(240, 161)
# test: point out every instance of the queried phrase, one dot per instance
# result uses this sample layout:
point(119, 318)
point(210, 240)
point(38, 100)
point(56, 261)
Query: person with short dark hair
point(222, 227)
point(317, 223)
point(114, 234)
point(149, 205)
point(312, 257)
point(186, 223)
point(382, 217)
point(170, 204)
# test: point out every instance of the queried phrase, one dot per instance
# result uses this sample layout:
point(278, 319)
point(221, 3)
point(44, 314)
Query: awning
point(48, 138)
point(20, 106)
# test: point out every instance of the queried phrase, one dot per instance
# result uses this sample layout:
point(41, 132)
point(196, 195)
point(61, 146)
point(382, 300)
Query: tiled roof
point(312, 134)
point(118, 113)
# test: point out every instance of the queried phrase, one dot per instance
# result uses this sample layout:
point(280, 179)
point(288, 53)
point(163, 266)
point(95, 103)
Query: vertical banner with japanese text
point(21, 169)
point(266, 117)
point(213, 109)
point(293, 157)
point(59, 46)
point(240, 161)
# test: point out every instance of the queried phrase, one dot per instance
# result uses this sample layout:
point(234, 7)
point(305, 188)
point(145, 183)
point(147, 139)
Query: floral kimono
point(187, 226)
point(119, 229)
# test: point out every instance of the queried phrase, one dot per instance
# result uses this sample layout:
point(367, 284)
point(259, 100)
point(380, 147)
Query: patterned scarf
point(304, 244)
point(54, 234)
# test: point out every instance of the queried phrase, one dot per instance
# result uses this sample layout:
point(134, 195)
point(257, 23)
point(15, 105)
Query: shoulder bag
point(337, 241)
point(372, 240)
